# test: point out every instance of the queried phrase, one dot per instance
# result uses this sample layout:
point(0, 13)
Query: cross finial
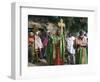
point(61, 24)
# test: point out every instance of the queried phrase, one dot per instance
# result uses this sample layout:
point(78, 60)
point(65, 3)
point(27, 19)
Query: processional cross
point(61, 50)
point(61, 24)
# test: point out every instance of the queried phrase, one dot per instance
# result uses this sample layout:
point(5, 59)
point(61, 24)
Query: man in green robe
point(81, 49)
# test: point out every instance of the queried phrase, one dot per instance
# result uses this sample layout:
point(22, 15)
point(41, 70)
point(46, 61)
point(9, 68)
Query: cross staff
point(61, 24)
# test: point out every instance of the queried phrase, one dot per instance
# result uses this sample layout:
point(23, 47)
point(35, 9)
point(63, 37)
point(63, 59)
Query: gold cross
point(61, 24)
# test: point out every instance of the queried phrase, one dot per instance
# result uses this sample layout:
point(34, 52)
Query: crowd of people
point(73, 50)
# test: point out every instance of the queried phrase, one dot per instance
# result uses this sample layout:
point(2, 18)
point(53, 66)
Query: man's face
point(81, 36)
point(31, 34)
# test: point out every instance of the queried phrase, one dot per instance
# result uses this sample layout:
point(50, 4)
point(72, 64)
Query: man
point(38, 45)
point(31, 52)
point(81, 49)
point(70, 48)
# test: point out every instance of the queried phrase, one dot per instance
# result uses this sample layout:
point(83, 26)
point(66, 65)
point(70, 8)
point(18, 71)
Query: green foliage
point(73, 24)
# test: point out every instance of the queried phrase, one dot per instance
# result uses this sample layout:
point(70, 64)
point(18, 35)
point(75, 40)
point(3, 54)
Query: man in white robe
point(70, 48)
point(38, 44)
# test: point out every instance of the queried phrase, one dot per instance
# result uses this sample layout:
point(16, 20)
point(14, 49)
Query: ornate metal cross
point(61, 24)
